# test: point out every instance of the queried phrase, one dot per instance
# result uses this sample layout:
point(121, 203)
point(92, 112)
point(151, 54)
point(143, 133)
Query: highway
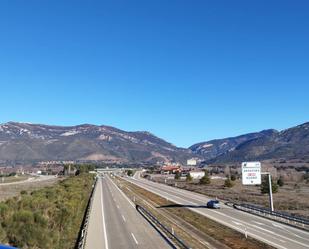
point(114, 222)
point(270, 232)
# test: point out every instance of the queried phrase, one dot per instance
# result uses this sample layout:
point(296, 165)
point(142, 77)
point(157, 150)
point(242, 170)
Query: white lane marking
point(211, 217)
point(267, 231)
point(237, 223)
point(253, 235)
point(283, 228)
point(103, 219)
point(131, 203)
point(295, 241)
point(118, 207)
point(277, 225)
point(124, 219)
point(136, 242)
point(164, 187)
point(259, 223)
point(156, 191)
point(198, 197)
point(263, 229)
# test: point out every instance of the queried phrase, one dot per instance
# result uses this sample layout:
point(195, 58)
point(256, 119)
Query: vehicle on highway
point(213, 204)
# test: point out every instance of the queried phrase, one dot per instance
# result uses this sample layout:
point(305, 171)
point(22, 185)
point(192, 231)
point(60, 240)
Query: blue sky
point(187, 71)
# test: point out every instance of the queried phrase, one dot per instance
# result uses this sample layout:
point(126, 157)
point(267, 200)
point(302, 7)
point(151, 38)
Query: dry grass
point(197, 230)
point(9, 179)
point(7, 191)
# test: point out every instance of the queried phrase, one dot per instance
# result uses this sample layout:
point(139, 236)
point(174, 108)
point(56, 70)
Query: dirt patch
point(7, 191)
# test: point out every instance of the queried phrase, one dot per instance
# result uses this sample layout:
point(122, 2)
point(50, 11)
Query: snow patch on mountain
point(70, 133)
point(207, 145)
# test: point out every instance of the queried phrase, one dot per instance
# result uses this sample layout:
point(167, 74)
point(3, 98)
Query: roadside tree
point(205, 179)
point(189, 178)
point(265, 186)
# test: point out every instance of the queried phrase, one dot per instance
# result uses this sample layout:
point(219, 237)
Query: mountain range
point(292, 143)
point(26, 143)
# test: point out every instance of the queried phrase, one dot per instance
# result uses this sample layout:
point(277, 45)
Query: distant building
point(169, 169)
point(186, 169)
point(197, 174)
point(192, 162)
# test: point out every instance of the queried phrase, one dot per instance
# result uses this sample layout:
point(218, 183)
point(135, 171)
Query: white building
point(191, 162)
point(197, 174)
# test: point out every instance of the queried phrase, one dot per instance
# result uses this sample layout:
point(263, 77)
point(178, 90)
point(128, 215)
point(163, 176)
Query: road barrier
point(282, 217)
point(80, 243)
point(167, 233)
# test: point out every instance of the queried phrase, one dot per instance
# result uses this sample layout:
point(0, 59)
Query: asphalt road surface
point(270, 232)
point(114, 222)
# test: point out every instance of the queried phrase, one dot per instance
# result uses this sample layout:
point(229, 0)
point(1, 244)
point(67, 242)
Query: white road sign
point(251, 173)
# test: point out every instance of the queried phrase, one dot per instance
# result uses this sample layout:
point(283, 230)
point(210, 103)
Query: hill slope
point(23, 142)
point(214, 148)
point(292, 143)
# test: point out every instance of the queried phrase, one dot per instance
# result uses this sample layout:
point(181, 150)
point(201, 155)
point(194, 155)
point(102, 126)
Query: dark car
point(213, 204)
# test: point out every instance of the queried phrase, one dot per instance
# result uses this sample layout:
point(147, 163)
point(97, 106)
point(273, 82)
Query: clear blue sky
point(187, 71)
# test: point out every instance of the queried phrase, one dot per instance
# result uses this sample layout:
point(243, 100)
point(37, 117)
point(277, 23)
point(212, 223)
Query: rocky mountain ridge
point(26, 142)
point(292, 143)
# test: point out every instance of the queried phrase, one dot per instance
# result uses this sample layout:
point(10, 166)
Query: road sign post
point(251, 175)
point(271, 202)
point(270, 193)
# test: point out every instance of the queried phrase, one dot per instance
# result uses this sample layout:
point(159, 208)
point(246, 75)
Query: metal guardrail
point(80, 243)
point(162, 227)
point(275, 215)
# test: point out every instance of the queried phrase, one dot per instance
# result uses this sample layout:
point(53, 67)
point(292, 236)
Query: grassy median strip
point(47, 218)
point(196, 230)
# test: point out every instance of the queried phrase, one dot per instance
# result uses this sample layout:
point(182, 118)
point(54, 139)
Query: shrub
point(48, 218)
point(189, 178)
point(23, 192)
point(265, 186)
point(177, 175)
point(280, 181)
point(130, 172)
point(205, 179)
point(228, 183)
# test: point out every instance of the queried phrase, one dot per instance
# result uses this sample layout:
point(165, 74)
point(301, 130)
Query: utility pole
point(271, 203)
